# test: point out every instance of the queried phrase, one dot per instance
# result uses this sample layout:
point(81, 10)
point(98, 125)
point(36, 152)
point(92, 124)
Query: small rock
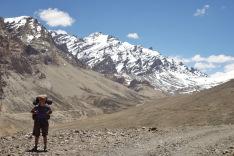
point(225, 152)
point(111, 133)
point(153, 129)
point(42, 76)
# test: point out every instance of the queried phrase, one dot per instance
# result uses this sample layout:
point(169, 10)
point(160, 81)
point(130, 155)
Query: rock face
point(24, 44)
point(39, 45)
point(108, 55)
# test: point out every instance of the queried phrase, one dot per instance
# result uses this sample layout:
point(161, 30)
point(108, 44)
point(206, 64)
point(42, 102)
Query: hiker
point(41, 114)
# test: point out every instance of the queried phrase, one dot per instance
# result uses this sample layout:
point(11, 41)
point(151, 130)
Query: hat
point(42, 97)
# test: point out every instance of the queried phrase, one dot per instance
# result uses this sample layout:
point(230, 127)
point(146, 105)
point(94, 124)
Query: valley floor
point(205, 140)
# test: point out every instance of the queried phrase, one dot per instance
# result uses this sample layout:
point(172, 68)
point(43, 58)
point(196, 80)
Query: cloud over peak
point(204, 66)
point(55, 17)
point(229, 67)
point(213, 58)
point(210, 63)
point(133, 36)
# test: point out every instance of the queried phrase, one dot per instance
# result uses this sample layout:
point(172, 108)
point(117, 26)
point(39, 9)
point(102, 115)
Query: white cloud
point(226, 75)
point(229, 67)
point(133, 36)
point(204, 66)
point(198, 58)
point(202, 11)
point(55, 17)
point(211, 64)
point(219, 59)
point(223, 76)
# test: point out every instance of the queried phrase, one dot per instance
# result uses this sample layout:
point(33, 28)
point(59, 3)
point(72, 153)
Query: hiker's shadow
point(35, 153)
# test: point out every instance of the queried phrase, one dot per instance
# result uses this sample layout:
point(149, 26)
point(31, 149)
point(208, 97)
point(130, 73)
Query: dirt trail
point(201, 141)
point(206, 140)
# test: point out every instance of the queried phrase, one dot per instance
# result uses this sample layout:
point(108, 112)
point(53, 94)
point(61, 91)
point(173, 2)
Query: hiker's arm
point(49, 111)
point(33, 111)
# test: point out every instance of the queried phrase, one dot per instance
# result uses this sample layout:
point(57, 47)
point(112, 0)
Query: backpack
point(40, 115)
point(36, 103)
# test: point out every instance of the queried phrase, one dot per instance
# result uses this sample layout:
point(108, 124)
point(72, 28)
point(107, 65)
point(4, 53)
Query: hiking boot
point(34, 149)
point(45, 149)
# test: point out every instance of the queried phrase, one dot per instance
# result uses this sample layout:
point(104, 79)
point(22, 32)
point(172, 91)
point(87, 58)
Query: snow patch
point(18, 21)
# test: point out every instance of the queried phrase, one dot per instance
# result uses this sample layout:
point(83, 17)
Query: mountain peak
point(30, 31)
point(99, 37)
point(17, 18)
point(18, 21)
point(96, 34)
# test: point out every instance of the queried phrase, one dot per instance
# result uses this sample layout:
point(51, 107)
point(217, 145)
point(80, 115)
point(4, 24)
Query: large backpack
point(37, 116)
point(36, 103)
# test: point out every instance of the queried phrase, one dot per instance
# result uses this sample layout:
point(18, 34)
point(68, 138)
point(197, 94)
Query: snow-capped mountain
point(131, 65)
point(25, 23)
point(31, 32)
point(26, 28)
point(108, 55)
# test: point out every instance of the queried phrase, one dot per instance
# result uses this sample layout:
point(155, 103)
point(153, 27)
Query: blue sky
point(185, 29)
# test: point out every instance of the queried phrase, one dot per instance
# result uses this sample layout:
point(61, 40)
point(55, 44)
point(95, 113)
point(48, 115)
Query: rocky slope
point(207, 141)
point(128, 63)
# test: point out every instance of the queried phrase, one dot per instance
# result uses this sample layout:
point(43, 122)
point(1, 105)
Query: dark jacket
point(41, 113)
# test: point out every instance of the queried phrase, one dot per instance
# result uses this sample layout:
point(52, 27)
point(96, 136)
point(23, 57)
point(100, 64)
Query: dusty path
point(209, 140)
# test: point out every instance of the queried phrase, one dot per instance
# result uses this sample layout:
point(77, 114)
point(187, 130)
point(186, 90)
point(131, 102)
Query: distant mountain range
point(131, 65)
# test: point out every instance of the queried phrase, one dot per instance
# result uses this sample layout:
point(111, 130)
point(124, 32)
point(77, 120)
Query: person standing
point(41, 115)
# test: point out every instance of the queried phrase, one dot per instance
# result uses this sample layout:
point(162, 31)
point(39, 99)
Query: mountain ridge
point(108, 55)
point(117, 60)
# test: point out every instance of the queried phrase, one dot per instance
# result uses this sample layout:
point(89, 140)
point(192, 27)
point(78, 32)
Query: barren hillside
point(209, 107)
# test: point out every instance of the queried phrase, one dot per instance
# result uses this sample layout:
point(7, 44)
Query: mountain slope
point(108, 55)
point(206, 108)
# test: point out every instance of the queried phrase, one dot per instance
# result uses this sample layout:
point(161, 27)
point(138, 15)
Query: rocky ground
point(209, 140)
